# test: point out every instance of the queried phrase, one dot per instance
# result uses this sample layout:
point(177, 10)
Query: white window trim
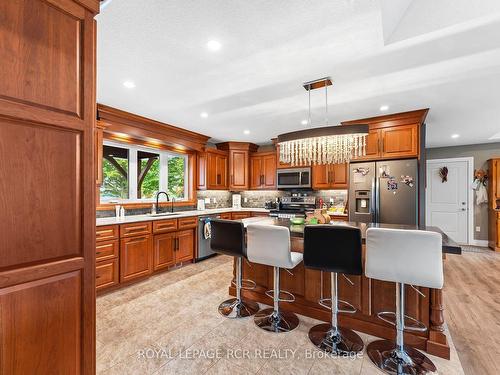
point(132, 173)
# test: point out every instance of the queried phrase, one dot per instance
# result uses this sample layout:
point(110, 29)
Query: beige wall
point(481, 153)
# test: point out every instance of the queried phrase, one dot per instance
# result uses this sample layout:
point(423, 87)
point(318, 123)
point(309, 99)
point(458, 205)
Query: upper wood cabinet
point(330, 176)
point(212, 170)
point(239, 163)
point(263, 171)
point(393, 136)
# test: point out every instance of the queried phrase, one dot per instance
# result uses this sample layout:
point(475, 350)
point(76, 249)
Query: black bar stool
point(228, 237)
point(335, 249)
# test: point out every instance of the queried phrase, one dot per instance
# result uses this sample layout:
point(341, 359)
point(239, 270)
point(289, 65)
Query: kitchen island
point(368, 296)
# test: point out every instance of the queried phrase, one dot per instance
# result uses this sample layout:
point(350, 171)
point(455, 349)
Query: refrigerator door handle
point(372, 204)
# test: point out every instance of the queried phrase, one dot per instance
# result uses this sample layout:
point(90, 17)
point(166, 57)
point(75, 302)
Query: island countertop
point(449, 246)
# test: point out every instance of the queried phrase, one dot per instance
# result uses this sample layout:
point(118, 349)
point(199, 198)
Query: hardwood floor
point(472, 309)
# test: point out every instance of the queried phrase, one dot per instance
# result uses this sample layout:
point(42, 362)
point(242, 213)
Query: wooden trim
point(118, 121)
point(395, 119)
point(132, 205)
point(245, 146)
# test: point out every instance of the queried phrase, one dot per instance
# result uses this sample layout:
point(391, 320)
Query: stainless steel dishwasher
point(204, 250)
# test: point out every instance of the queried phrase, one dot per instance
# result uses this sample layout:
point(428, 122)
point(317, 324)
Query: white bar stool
point(270, 245)
point(411, 257)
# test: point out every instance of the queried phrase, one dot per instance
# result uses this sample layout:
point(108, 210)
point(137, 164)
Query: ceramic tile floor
point(169, 324)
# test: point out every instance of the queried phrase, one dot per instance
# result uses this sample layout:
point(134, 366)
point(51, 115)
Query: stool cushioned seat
point(270, 245)
point(333, 248)
point(404, 256)
point(228, 237)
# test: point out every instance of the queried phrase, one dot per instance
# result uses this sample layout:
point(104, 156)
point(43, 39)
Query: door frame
point(470, 193)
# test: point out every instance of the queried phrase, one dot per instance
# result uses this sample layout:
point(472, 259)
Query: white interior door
point(447, 202)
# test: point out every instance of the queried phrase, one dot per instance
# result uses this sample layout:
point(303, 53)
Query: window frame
point(132, 173)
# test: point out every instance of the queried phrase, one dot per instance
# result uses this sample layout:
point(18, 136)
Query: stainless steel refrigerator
point(384, 192)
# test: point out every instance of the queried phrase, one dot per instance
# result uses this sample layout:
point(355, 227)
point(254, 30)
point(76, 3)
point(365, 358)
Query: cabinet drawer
point(188, 222)
point(135, 229)
point(226, 216)
point(162, 226)
point(260, 214)
point(240, 215)
point(106, 274)
point(106, 232)
point(106, 250)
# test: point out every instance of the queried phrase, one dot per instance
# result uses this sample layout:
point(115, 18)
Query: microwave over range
point(294, 178)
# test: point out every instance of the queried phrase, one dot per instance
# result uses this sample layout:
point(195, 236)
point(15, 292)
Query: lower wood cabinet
point(136, 257)
point(173, 248)
point(185, 245)
point(240, 215)
point(226, 216)
point(106, 273)
point(164, 250)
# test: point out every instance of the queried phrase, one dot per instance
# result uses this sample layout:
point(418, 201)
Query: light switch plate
point(478, 229)
point(245, 200)
point(214, 200)
point(207, 200)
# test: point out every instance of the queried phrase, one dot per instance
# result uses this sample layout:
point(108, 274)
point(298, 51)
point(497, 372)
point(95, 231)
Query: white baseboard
point(482, 243)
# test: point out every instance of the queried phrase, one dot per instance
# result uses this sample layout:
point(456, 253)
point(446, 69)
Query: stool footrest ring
point(246, 284)
point(347, 308)
point(413, 324)
point(290, 297)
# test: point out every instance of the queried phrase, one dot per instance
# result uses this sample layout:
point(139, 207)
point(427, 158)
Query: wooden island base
point(368, 296)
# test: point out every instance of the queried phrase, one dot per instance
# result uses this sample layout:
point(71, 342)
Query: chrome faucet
point(158, 209)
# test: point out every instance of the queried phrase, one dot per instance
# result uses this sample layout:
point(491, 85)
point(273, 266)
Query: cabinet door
point(372, 145)
point(163, 250)
point(136, 257)
point(269, 171)
point(106, 274)
point(211, 172)
point(238, 170)
point(256, 172)
point(201, 164)
point(221, 172)
point(320, 177)
point(496, 179)
point(340, 176)
point(240, 215)
point(185, 245)
point(225, 215)
point(400, 141)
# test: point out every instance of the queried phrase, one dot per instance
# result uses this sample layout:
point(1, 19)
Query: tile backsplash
point(249, 199)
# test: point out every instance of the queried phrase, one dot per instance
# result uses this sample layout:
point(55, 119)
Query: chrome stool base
point(412, 362)
point(346, 341)
point(284, 322)
point(231, 308)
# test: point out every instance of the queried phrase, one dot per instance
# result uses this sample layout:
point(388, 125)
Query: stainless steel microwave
point(294, 178)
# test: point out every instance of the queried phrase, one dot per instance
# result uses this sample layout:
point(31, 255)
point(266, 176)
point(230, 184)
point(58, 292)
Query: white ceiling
point(407, 54)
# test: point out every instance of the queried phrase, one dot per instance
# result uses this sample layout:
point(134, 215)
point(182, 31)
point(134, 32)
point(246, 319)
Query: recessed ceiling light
point(304, 122)
point(246, 131)
point(384, 108)
point(214, 45)
point(455, 135)
point(129, 84)
point(203, 114)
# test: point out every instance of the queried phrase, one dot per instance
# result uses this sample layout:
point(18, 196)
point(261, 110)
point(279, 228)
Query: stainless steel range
point(295, 206)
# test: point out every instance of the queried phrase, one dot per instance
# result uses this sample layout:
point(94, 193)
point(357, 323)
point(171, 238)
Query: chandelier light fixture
point(325, 144)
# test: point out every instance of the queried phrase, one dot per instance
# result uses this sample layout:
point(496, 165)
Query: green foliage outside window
point(176, 168)
point(151, 182)
point(114, 184)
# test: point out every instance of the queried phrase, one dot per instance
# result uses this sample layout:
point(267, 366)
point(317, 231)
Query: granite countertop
point(178, 214)
point(449, 246)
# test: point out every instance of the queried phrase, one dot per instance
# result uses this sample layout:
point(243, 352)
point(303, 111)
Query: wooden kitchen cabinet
point(226, 216)
point(240, 215)
point(164, 250)
point(330, 176)
point(239, 163)
point(185, 245)
point(393, 136)
point(106, 274)
point(212, 170)
point(494, 204)
point(263, 171)
point(399, 141)
point(136, 257)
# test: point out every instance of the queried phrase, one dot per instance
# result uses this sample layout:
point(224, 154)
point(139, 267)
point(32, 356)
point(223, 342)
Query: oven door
point(297, 178)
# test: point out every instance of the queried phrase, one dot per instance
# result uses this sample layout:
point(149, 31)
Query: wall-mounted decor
point(443, 173)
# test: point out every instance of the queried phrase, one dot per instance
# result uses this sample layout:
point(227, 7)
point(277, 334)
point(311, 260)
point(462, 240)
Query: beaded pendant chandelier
point(322, 145)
